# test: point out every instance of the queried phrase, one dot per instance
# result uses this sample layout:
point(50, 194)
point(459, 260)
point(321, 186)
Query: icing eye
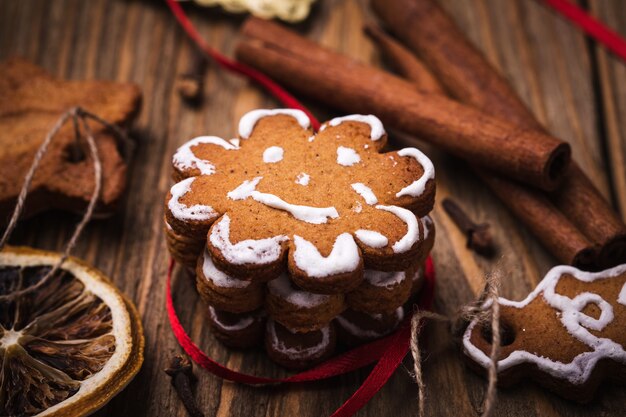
point(347, 156)
point(507, 333)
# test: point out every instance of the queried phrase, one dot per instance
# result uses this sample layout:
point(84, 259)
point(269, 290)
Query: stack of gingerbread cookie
point(298, 238)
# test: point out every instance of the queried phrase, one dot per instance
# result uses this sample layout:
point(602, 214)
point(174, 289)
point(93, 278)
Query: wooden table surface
point(574, 86)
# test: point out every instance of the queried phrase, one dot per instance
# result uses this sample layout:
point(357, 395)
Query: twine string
point(473, 311)
point(79, 117)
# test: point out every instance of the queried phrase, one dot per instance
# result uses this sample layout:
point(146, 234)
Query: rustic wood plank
point(547, 60)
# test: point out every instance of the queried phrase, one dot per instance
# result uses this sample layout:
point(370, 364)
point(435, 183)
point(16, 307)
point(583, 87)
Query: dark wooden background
point(574, 86)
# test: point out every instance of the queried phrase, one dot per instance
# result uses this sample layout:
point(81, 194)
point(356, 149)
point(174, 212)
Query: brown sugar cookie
point(300, 310)
point(31, 101)
point(320, 205)
point(567, 335)
point(243, 330)
point(355, 327)
point(381, 292)
point(224, 292)
point(299, 350)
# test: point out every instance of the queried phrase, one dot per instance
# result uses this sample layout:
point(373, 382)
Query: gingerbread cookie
point(355, 327)
point(244, 330)
point(567, 335)
point(299, 310)
point(224, 292)
point(31, 101)
point(330, 203)
point(299, 350)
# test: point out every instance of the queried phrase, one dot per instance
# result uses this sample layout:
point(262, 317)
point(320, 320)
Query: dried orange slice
point(67, 344)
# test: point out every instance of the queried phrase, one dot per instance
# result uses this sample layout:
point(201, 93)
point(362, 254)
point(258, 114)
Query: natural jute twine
point(79, 117)
point(468, 313)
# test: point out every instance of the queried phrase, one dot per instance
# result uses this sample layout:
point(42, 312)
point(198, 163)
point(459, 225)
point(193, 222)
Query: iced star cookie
point(183, 249)
point(320, 207)
point(568, 334)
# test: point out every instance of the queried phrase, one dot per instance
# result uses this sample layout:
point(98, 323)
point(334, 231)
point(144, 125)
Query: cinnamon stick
point(526, 155)
point(552, 228)
point(557, 234)
point(403, 61)
point(464, 72)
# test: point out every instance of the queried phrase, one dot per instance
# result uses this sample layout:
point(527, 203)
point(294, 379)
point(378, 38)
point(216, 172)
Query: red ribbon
point(263, 80)
point(590, 25)
point(387, 353)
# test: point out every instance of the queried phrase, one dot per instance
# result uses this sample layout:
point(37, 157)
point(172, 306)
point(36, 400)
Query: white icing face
point(303, 179)
point(343, 258)
point(181, 211)
point(250, 119)
point(249, 251)
point(573, 319)
point(347, 156)
point(282, 287)
point(365, 192)
point(261, 251)
point(315, 215)
point(418, 187)
point(376, 127)
point(273, 154)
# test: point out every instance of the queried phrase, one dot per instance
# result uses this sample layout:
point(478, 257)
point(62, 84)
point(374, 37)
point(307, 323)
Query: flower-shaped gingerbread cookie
point(329, 202)
point(568, 334)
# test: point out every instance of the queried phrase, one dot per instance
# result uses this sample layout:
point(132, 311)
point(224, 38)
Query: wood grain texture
point(575, 88)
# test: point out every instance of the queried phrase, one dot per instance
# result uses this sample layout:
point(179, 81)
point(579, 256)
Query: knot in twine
point(79, 118)
point(472, 311)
